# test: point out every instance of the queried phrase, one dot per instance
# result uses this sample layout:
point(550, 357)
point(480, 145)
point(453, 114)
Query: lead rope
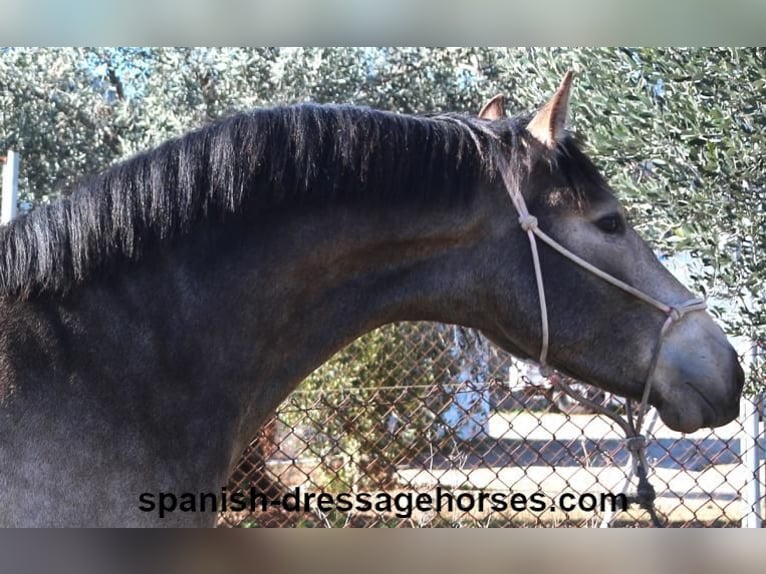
point(635, 442)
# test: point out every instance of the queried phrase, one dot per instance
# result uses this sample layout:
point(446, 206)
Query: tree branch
point(116, 83)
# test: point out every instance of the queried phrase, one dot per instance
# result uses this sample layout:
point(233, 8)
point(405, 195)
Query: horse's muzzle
point(699, 378)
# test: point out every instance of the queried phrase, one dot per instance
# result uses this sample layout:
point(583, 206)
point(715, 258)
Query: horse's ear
point(548, 124)
point(494, 109)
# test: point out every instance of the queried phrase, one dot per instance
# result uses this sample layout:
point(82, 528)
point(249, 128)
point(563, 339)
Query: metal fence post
point(751, 460)
point(10, 189)
point(751, 455)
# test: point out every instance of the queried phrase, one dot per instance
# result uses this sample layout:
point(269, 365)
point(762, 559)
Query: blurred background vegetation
point(680, 133)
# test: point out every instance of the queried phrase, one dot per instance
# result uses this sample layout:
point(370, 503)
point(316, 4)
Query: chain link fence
point(454, 418)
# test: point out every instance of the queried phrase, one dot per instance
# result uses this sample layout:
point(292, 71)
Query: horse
point(151, 320)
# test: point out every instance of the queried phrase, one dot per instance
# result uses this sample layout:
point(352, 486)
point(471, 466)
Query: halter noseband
point(635, 441)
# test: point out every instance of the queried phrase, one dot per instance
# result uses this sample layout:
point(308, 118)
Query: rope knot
point(677, 312)
point(635, 443)
point(528, 222)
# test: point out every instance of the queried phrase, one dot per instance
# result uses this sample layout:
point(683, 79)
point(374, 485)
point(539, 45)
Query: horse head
point(621, 326)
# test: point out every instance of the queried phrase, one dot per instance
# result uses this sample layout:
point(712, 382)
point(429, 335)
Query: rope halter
point(635, 442)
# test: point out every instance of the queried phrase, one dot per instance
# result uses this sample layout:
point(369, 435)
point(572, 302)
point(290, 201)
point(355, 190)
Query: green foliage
point(377, 393)
point(681, 133)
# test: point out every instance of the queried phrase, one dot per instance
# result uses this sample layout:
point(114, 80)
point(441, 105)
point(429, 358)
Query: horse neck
point(307, 284)
point(240, 313)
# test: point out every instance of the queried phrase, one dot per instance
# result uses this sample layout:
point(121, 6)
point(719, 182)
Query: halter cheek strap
point(635, 441)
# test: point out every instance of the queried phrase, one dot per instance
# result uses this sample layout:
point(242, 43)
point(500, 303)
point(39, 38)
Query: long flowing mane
point(242, 164)
point(271, 158)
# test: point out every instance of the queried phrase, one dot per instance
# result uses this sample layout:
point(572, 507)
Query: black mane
point(275, 157)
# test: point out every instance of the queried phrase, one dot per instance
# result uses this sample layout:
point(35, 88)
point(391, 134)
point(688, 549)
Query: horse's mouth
point(713, 410)
point(719, 416)
point(694, 414)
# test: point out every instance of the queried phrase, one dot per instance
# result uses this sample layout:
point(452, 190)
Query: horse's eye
point(611, 224)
